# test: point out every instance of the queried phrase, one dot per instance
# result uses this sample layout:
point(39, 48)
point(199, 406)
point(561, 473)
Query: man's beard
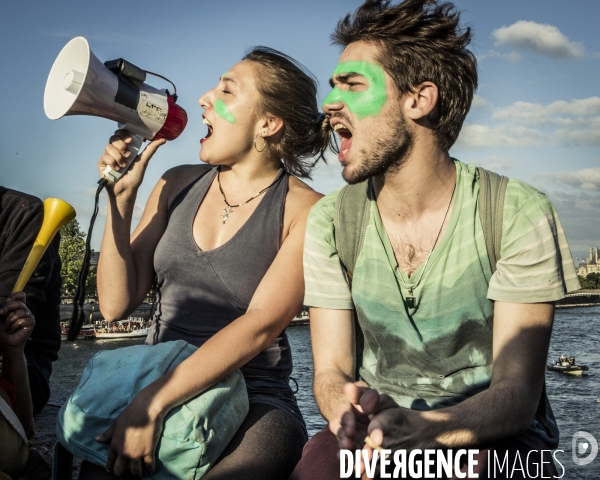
point(385, 155)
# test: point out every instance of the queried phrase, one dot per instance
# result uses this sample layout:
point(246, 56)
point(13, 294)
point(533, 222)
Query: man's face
point(367, 115)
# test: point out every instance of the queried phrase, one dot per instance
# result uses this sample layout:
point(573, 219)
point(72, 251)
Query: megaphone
point(79, 84)
point(57, 212)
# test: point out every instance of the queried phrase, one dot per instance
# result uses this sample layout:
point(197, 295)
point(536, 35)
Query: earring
point(264, 144)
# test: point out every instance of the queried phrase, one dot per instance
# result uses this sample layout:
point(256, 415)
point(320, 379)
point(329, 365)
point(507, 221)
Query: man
point(21, 217)
point(453, 355)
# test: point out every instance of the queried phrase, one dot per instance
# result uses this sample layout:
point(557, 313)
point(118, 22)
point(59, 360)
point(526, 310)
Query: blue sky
point(536, 116)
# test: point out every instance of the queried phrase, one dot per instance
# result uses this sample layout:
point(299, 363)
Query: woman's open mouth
point(210, 130)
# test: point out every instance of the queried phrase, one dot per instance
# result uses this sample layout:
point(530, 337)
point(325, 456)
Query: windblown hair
point(289, 91)
point(419, 41)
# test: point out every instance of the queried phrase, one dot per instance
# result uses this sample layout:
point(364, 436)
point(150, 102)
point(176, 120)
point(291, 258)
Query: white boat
point(131, 328)
point(140, 332)
point(300, 319)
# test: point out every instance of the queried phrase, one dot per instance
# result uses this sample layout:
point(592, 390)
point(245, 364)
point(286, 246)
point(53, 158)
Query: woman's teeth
point(210, 128)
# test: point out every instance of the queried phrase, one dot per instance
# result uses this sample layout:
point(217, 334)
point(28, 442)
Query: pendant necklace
point(410, 298)
point(229, 209)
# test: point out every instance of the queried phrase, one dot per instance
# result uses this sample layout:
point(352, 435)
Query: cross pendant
point(226, 212)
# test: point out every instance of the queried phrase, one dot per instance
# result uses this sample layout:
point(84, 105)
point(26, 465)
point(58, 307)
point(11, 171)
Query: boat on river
point(567, 365)
point(300, 319)
point(87, 332)
point(131, 328)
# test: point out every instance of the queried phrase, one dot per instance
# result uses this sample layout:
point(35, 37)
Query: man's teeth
point(339, 126)
point(206, 122)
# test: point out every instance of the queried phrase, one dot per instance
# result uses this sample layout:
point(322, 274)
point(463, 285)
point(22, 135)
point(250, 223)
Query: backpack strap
point(350, 222)
point(492, 189)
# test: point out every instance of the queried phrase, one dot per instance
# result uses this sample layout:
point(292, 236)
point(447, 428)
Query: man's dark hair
point(419, 41)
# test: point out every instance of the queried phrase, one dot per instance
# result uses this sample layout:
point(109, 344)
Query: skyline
point(535, 116)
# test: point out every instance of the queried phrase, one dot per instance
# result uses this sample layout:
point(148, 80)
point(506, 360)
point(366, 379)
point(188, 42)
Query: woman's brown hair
point(289, 91)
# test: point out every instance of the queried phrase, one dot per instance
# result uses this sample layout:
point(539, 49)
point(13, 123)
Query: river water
point(576, 332)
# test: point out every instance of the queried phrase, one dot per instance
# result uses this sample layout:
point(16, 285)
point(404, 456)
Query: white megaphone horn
point(79, 84)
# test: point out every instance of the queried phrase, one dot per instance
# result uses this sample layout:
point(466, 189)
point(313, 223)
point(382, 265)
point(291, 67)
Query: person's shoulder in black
point(21, 216)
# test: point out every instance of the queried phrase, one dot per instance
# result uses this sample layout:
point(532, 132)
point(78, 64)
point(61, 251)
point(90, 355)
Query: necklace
point(229, 209)
point(410, 299)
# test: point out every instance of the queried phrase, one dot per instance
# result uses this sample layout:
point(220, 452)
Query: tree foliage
point(590, 282)
point(72, 251)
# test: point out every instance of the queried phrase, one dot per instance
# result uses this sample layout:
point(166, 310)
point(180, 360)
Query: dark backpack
point(350, 222)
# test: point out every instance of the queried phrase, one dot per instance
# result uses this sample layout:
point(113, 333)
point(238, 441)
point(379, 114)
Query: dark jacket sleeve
point(21, 217)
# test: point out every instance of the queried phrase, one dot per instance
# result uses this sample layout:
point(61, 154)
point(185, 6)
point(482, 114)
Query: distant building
point(96, 256)
point(591, 265)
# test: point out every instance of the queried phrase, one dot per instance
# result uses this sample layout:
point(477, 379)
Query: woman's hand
point(115, 156)
point(133, 437)
point(16, 322)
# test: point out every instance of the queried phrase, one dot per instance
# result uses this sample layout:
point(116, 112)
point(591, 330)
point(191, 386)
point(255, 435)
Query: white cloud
point(497, 164)
point(512, 57)
point(586, 179)
point(538, 38)
point(484, 136)
point(479, 102)
point(553, 113)
point(526, 124)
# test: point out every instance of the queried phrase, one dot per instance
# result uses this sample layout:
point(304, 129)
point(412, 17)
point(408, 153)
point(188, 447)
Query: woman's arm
point(278, 298)
point(125, 270)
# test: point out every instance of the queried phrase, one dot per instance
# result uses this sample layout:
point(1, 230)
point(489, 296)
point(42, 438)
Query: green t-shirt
point(440, 352)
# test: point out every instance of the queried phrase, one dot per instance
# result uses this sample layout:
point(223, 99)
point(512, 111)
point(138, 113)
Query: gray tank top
point(199, 292)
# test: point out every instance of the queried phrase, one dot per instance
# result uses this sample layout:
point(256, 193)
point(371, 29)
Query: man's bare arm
point(333, 345)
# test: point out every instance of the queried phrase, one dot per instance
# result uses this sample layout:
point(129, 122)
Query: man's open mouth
point(345, 138)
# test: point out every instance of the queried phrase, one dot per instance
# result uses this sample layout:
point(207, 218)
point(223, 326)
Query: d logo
point(589, 447)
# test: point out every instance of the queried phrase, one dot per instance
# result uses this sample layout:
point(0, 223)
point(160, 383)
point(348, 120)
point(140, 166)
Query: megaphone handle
point(134, 147)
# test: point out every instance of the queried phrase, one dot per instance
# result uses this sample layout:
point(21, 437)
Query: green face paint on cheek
point(368, 102)
point(224, 112)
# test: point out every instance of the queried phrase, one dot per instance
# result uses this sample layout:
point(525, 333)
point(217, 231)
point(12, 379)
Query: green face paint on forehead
point(368, 102)
point(224, 112)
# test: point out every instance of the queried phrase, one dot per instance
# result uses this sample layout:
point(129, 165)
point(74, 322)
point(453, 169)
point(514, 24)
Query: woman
point(226, 247)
